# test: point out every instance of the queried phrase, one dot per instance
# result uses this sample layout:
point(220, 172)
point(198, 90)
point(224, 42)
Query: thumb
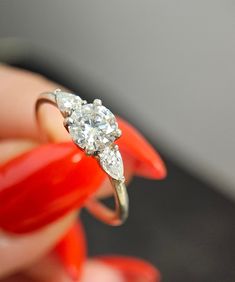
point(19, 91)
point(18, 133)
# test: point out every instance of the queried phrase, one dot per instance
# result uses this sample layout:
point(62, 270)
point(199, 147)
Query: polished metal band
point(100, 211)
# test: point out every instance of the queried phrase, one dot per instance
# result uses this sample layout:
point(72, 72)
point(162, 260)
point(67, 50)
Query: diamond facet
point(67, 102)
point(111, 162)
point(94, 127)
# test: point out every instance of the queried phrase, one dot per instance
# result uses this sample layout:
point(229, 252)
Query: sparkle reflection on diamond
point(93, 127)
point(111, 161)
point(67, 102)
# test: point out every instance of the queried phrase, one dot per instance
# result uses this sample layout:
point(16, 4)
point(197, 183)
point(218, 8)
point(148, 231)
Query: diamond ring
point(94, 128)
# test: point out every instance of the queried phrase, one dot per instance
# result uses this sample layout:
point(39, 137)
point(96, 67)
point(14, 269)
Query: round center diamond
point(93, 127)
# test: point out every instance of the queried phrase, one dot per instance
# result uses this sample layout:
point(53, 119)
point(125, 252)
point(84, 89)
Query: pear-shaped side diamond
point(67, 102)
point(111, 162)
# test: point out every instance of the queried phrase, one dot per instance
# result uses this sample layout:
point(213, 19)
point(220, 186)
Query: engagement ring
point(94, 128)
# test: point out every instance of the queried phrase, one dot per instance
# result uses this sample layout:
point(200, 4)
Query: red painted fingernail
point(40, 186)
point(44, 184)
point(71, 251)
point(133, 269)
point(147, 161)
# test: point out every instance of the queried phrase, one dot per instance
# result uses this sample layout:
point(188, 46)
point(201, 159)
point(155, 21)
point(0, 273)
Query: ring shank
point(107, 215)
point(95, 207)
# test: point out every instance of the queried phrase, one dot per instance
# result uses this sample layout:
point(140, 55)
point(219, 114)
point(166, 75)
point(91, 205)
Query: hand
point(30, 254)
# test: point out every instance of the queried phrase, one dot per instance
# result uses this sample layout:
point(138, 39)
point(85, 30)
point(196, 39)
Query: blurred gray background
point(168, 64)
point(169, 68)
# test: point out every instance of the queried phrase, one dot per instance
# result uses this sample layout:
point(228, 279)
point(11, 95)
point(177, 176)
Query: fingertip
point(19, 91)
point(95, 271)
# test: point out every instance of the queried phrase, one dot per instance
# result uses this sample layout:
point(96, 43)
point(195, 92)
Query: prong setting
point(93, 128)
point(89, 152)
point(97, 102)
point(68, 121)
point(116, 148)
point(118, 133)
point(57, 90)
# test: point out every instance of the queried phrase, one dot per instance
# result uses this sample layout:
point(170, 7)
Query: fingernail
point(42, 185)
point(71, 251)
point(147, 162)
point(132, 269)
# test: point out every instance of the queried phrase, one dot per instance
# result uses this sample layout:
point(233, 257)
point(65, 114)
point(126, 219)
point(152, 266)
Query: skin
point(25, 258)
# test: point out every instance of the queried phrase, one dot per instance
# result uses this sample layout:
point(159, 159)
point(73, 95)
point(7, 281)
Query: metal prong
point(88, 152)
point(97, 102)
point(57, 90)
point(67, 122)
point(118, 132)
point(122, 179)
point(84, 102)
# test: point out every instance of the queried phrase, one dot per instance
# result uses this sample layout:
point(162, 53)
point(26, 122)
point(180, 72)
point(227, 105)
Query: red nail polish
point(147, 161)
point(133, 269)
point(40, 186)
point(44, 184)
point(71, 251)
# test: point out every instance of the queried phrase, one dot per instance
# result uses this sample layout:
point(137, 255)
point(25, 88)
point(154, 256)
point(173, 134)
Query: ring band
point(94, 129)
